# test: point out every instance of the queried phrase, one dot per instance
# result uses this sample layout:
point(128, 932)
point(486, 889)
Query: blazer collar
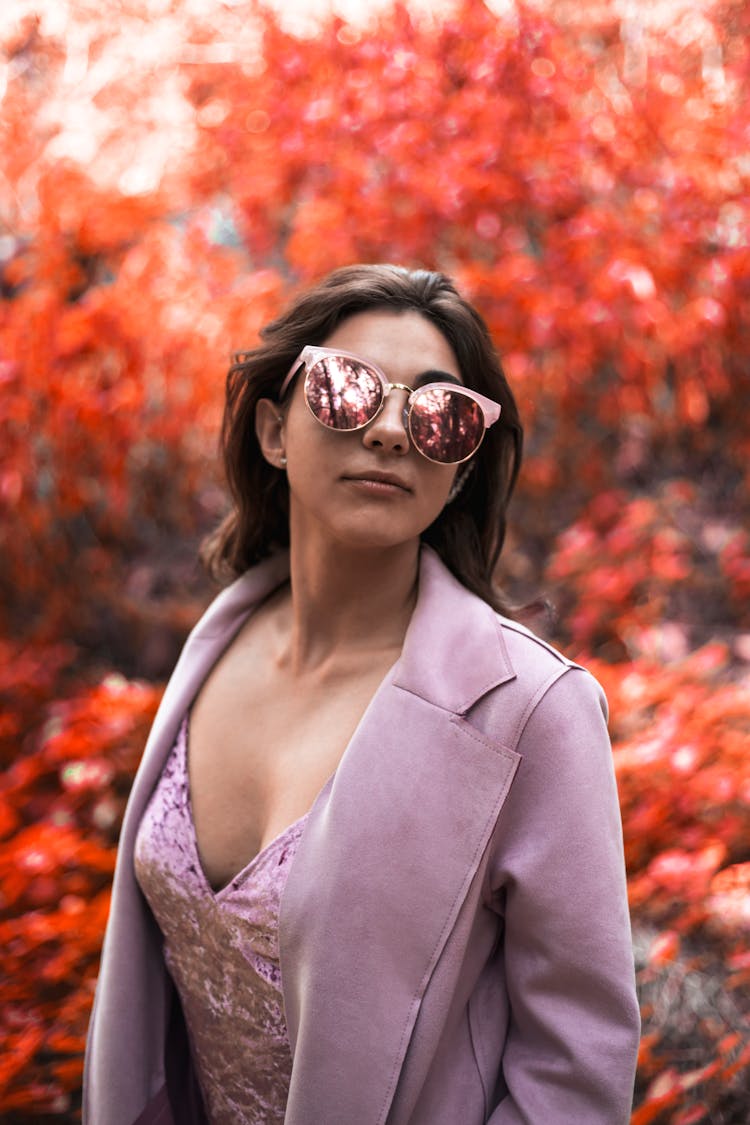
point(224, 616)
point(453, 652)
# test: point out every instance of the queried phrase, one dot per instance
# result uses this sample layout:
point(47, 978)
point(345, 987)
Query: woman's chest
point(258, 756)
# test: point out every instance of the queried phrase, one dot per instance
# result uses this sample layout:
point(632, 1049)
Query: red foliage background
point(170, 177)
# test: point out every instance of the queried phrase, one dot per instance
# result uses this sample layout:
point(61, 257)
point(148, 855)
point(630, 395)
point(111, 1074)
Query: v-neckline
point(239, 878)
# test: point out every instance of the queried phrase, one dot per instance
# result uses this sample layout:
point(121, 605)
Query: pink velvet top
point(222, 950)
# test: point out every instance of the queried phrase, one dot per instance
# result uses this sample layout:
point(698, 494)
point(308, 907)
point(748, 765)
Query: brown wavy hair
point(469, 532)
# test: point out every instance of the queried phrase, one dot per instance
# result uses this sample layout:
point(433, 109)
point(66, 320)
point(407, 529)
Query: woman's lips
point(377, 481)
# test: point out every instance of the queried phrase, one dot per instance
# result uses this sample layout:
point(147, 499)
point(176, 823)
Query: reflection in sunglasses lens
point(446, 426)
point(342, 393)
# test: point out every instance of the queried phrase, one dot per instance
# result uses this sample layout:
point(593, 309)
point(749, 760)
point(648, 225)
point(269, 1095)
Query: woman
point(382, 880)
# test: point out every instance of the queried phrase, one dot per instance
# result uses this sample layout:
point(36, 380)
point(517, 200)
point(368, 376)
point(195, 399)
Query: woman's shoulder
point(533, 655)
point(543, 672)
point(545, 706)
point(461, 636)
point(528, 646)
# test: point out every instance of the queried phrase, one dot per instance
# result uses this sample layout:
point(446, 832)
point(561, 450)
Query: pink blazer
point(454, 932)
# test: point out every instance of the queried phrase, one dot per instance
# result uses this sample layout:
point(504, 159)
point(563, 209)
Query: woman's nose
point(389, 430)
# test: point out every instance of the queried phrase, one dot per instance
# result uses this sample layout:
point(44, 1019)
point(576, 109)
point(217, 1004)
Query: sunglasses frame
point(310, 355)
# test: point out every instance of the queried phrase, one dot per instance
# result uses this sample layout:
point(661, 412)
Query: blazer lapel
point(389, 852)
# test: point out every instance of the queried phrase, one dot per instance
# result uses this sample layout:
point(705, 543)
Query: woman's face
point(370, 487)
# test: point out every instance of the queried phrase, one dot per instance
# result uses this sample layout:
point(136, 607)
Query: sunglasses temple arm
point(295, 369)
point(492, 411)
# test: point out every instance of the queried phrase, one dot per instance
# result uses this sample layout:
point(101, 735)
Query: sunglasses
point(446, 422)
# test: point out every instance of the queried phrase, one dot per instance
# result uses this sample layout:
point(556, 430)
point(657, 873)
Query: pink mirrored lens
point(445, 425)
point(343, 393)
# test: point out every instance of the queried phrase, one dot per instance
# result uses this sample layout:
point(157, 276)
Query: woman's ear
point(269, 429)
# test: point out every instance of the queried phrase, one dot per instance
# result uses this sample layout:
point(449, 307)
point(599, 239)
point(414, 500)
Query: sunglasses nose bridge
point(389, 426)
point(387, 388)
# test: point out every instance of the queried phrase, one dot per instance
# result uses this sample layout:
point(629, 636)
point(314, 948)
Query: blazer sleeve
point(559, 883)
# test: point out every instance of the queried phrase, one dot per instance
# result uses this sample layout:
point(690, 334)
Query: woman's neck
point(347, 603)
